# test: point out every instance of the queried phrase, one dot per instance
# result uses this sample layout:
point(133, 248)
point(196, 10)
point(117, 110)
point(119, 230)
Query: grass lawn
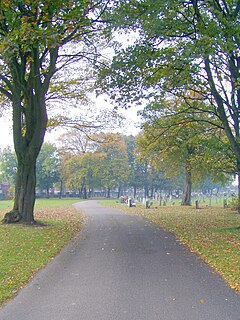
point(26, 249)
point(213, 233)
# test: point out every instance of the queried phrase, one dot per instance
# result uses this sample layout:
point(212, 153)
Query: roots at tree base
point(15, 217)
point(12, 216)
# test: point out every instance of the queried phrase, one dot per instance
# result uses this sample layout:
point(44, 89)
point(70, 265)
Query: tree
point(47, 167)
point(181, 46)
point(171, 154)
point(137, 175)
point(35, 41)
point(174, 143)
point(74, 145)
point(8, 166)
point(142, 174)
point(75, 141)
point(115, 167)
point(84, 171)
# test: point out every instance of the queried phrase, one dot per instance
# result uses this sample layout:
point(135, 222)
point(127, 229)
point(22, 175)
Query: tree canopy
point(190, 46)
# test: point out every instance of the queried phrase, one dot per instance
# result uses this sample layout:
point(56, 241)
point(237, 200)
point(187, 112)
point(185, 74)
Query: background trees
point(82, 173)
point(104, 166)
point(47, 168)
point(8, 166)
point(115, 168)
point(148, 166)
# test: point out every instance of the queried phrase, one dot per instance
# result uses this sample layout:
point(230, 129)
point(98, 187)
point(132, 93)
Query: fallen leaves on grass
point(24, 249)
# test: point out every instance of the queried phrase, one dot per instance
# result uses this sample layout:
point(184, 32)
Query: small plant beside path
point(213, 233)
point(26, 249)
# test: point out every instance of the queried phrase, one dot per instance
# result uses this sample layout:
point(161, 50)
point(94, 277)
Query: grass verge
point(25, 249)
point(213, 233)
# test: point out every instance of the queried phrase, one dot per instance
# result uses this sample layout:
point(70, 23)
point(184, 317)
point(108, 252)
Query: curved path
point(123, 267)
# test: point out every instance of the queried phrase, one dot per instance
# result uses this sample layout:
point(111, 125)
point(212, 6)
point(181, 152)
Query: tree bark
point(146, 191)
point(84, 192)
point(222, 113)
point(48, 192)
point(108, 192)
point(186, 201)
point(238, 207)
point(61, 189)
point(152, 192)
point(23, 209)
point(25, 190)
point(119, 191)
point(134, 191)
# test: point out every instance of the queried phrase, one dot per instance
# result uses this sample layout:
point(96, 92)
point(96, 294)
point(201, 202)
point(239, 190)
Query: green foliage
point(48, 23)
point(139, 173)
point(172, 39)
point(234, 204)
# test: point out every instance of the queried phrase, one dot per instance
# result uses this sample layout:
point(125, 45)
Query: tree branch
point(237, 9)
point(221, 111)
point(6, 93)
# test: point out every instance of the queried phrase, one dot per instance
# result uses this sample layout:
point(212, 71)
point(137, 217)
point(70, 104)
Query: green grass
point(6, 204)
point(211, 232)
point(25, 249)
point(56, 202)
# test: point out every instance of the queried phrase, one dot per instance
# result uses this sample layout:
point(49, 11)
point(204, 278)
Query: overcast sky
point(6, 138)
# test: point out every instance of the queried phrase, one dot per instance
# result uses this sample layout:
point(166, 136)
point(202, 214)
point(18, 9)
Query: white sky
point(5, 132)
point(6, 138)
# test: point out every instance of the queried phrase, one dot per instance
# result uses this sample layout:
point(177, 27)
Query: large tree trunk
point(119, 191)
point(84, 192)
point(146, 191)
point(25, 190)
point(61, 189)
point(238, 208)
point(23, 209)
point(152, 192)
point(29, 126)
point(48, 193)
point(108, 192)
point(186, 201)
point(134, 191)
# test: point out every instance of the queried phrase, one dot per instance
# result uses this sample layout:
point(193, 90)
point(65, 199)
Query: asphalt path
point(122, 267)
